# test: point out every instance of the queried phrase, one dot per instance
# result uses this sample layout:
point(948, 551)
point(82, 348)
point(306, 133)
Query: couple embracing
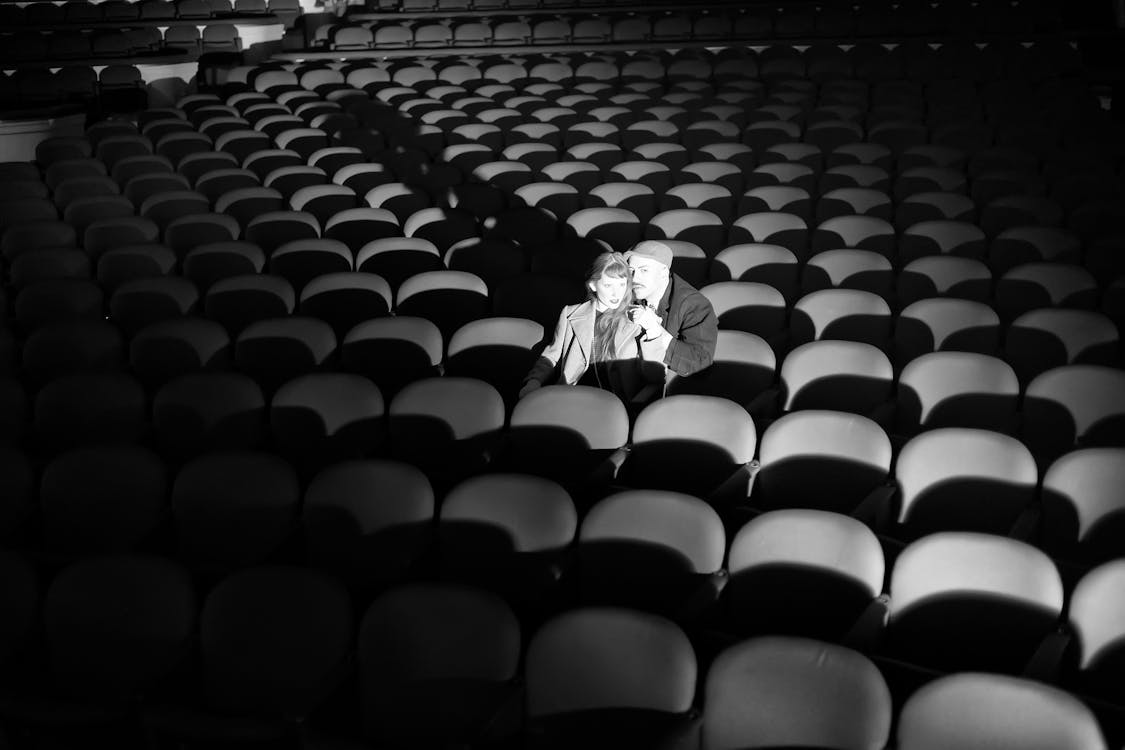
point(640, 323)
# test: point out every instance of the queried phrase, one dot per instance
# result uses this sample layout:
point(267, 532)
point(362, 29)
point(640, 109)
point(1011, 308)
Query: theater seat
point(820, 459)
point(252, 684)
point(971, 601)
point(438, 664)
point(368, 522)
point(802, 572)
point(983, 711)
point(712, 439)
point(653, 550)
point(603, 677)
point(792, 692)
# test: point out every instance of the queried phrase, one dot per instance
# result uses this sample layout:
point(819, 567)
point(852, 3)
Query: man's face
point(648, 277)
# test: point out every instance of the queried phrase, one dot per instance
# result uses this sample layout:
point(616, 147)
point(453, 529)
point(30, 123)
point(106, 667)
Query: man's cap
point(653, 250)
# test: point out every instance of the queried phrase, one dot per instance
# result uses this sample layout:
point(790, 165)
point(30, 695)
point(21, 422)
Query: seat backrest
point(945, 475)
point(248, 625)
point(977, 711)
point(117, 625)
point(966, 562)
point(957, 389)
point(858, 375)
point(792, 692)
point(604, 658)
point(683, 524)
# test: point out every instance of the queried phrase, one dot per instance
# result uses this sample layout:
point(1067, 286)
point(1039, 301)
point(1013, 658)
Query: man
point(679, 325)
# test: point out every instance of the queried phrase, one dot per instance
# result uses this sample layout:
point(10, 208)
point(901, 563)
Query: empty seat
point(104, 234)
point(1031, 244)
point(943, 276)
point(1039, 340)
point(437, 663)
point(772, 227)
point(368, 521)
point(618, 227)
point(102, 499)
point(712, 447)
point(1081, 507)
point(941, 237)
point(89, 408)
point(275, 350)
point(864, 232)
point(447, 298)
point(238, 301)
point(326, 416)
point(933, 206)
point(793, 692)
point(743, 367)
point(166, 207)
point(71, 347)
point(499, 351)
point(819, 459)
point(300, 261)
point(345, 299)
point(1074, 406)
point(769, 264)
point(56, 300)
point(565, 432)
point(946, 324)
point(635, 672)
point(748, 306)
point(801, 572)
point(81, 212)
point(702, 228)
point(212, 492)
point(862, 270)
point(963, 600)
point(140, 302)
point(838, 375)
point(1038, 285)
point(508, 533)
point(208, 411)
point(392, 351)
point(652, 550)
point(177, 346)
point(116, 628)
point(978, 711)
point(957, 389)
point(206, 264)
point(250, 679)
point(462, 416)
point(963, 479)
point(845, 314)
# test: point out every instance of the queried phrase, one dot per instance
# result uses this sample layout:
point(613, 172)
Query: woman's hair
point(615, 266)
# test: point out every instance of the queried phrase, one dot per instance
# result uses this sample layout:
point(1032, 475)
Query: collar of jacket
point(665, 304)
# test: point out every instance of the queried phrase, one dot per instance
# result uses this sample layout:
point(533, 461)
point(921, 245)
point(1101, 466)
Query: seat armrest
point(866, 633)
point(765, 406)
point(1045, 665)
point(734, 491)
point(1026, 527)
point(884, 415)
point(705, 596)
point(615, 460)
point(877, 509)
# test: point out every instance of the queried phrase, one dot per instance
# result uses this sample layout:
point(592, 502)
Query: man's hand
point(529, 386)
point(647, 319)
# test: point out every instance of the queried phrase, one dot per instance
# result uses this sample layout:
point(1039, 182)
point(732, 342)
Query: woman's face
point(609, 291)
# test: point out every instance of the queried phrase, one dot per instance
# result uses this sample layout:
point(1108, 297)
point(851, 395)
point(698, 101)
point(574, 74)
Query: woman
point(595, 342)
